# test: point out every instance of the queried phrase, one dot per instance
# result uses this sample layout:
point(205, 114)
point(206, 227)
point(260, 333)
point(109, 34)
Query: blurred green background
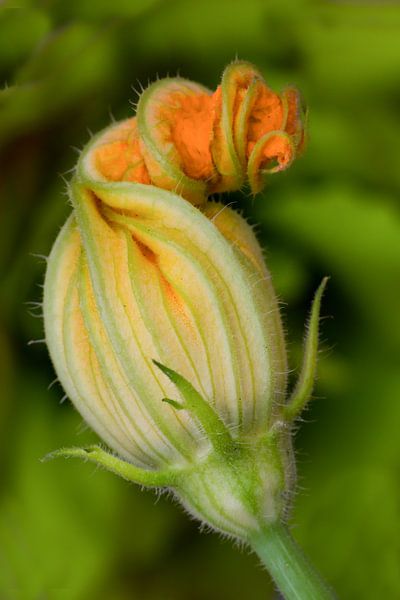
point(70, 532)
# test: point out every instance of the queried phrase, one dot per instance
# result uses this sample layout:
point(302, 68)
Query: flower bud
point(140, 278)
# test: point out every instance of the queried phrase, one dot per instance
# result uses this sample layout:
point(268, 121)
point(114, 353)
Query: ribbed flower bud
point(140, 278)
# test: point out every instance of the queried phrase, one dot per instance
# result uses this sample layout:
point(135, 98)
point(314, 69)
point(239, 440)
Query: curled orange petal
point(189, 140)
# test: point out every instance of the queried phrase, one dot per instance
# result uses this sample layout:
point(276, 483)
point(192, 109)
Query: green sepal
point(210, 421)
point(174, 403)
point(302, 391)
point(117, 466)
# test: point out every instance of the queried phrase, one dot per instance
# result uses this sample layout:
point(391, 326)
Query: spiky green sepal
point(116, 465)
point(303, 389)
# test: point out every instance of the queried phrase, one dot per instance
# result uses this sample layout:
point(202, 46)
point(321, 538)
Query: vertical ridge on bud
point(247, 250)
point(201, 269)
point(67, 341)
point(127, 337)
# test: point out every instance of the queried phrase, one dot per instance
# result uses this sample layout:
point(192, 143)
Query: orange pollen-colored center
point(191, 127)
point(119, 157)
point(191, 124)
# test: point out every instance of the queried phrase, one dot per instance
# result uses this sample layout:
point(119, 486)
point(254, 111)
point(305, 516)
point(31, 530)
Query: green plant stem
point(294, 576)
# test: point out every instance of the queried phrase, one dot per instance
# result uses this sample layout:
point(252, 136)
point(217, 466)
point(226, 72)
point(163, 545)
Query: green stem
point(294, 576)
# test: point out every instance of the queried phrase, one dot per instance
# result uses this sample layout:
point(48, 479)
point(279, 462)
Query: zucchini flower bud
point(160, 316)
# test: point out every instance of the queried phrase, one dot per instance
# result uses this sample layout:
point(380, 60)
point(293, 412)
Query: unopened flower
point(160, 316)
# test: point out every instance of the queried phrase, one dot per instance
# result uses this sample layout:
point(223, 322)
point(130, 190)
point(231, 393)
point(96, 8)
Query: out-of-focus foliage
point(69, 532)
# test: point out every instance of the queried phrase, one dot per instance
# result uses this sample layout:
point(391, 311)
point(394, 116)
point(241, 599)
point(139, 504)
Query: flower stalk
point(290, 569)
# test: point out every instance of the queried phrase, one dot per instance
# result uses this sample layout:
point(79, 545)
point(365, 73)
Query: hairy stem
point(291, 571)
